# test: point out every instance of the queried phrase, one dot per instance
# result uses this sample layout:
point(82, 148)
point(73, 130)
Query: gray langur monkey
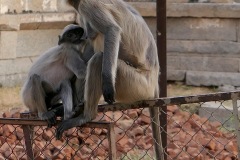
point(125, 65)
point(51, 75)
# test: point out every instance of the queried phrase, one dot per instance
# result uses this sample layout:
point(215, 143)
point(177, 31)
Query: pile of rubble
point(189, 137)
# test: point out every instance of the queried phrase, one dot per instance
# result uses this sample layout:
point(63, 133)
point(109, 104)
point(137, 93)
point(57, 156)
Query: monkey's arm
point(76, 64)
point(104, 22)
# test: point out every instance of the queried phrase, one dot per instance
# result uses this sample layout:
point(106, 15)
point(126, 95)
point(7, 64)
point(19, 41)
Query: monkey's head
point(71, 34)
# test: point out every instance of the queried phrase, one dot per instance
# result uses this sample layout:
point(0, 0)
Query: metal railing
point(198, 127)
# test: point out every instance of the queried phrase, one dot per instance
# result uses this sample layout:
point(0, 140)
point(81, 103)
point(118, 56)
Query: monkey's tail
point(38, 94)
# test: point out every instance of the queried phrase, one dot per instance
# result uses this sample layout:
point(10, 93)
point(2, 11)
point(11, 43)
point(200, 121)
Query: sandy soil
point(10, 97)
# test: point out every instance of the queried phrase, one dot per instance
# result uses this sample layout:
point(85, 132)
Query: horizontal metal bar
point(141, 104)
point(35, 122)
point(171, 101)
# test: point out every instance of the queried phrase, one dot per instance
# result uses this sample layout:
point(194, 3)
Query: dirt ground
point(10, 97)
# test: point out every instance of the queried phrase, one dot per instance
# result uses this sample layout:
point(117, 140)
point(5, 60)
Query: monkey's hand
point(70, 123)
point(108, 92)
point(50, 117)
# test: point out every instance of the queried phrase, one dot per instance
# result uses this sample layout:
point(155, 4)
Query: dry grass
point(10, 97)
point(178, 89)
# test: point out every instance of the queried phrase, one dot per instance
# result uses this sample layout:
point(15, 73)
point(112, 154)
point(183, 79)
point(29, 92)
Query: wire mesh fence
point(198, 127)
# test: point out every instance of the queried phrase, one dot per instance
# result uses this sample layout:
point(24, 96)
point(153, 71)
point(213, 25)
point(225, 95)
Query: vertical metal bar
point(112, 142)
point(236, 123)
point(28, 141)
point(162, 55)
point(28, 133)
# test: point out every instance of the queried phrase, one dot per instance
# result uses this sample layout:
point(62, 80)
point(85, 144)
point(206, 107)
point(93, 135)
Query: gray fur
point(52, 73)
point(126, 66)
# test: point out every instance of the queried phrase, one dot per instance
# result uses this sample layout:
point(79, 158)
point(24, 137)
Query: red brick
point(4, 147)
point(193, 151)
point(132, 113)
point(141, 144)
point(7, 130)
point(89, 141)
point(148, 139)
point(86, 150)
point(215, 124)
point(16, 115)
point(100, 152)
point(67, 151)
point(47, 153)
point(122, 140)
point(71, 132)
point(138, 131)
point(1, 157)
point(11, 139)
point(57, 144)
point(172, 108)
point(231, 147)
point(144, 119)
point(1, 130)
point(173, 153)
point(105, 143)
point(2, 140)
point(117, 115)
point(47, 135)
point(7, 114)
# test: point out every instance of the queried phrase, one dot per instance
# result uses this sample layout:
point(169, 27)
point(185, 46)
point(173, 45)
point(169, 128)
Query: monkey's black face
point(72, 36)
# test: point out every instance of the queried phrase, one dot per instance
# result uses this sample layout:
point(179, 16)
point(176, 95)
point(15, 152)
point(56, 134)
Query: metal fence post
point(28, 141)
point(28, 135)
point(162, 55)
point(112, 142)
point(236, 121)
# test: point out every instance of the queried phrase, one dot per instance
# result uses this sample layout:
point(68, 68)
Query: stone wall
point(203, 39)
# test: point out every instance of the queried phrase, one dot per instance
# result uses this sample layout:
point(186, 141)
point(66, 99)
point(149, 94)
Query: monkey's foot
point(50, 117)
point(70, 123)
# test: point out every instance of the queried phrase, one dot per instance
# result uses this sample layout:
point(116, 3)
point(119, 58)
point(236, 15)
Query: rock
point(226, 88)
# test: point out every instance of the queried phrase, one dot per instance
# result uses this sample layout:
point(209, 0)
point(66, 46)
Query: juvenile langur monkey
point(51, 75)
point(125, 65)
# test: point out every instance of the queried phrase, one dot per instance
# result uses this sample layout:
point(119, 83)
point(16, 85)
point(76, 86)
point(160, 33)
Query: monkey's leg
point(93, 92)
point(66, 96)
point(78, 91)
point(132, 85)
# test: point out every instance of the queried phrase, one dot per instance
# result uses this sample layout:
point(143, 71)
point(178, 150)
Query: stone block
point(10, 6)
point(202, 29)
point(223, 10)
point(177, 1)
point(205, 47)
point(173, 62)
point(212, 64)
point(8, 44)
point(147, 9)
point(35, 21)
point(176, 75)
point(238, 35)
point(201, 78)
point(35, 42)
point(12, 80)
point(15, 66)
point(20, 6)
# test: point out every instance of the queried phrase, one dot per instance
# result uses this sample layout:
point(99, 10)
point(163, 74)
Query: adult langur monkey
point(125, 65)
point(51, 75)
